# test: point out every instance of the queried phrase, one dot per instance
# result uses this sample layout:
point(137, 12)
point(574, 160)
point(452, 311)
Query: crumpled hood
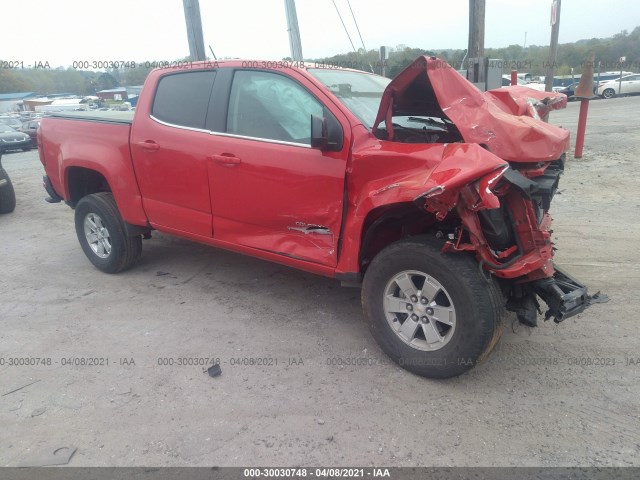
point(506, 120)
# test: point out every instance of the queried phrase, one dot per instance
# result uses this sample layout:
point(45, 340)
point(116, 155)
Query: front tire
point(102, 235)
point(434, 314)
point(608, 93)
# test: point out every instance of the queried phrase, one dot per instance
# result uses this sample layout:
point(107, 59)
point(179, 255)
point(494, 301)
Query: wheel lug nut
point(409, 307)
point(423, 301)
point(414, 317)
point(424, 319)
point(429, 311)
point(414, 299)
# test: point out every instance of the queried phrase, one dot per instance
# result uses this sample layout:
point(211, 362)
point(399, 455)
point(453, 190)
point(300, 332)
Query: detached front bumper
point(564, 295)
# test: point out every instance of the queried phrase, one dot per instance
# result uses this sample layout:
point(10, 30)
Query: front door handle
point(149, 145)
point(226, 159)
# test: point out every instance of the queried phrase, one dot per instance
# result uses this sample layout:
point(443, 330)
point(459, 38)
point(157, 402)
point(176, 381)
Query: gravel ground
point(561, 395)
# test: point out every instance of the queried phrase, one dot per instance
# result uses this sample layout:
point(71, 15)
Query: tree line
point(532, 59)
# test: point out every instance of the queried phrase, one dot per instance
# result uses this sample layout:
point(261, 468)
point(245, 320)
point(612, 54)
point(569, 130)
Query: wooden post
point(476, 28)
point(295, 44)
point(194, 29)
point(553, 48)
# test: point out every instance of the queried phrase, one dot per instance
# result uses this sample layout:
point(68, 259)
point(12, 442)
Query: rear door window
point(182, 99)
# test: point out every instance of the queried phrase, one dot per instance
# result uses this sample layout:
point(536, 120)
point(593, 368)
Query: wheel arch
point(83, 181)
point(82, 178)
point(389, 223)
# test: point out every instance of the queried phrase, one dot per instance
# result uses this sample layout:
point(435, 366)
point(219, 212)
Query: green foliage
point(45, 81)
point(533, 59)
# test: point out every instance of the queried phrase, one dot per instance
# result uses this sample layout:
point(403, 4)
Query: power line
point(344, 26)
point(357, 28)
point(359, 34)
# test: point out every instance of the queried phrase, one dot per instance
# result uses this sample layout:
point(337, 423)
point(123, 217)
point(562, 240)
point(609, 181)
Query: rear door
point(269, 189)
point(169, 147)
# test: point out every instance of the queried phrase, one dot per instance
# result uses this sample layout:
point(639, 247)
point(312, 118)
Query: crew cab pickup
point(432, 196)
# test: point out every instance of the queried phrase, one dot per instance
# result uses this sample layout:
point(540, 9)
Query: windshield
point(359, 92)
point(6, 129)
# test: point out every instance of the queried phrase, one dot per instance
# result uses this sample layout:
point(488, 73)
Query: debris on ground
point(19, 388)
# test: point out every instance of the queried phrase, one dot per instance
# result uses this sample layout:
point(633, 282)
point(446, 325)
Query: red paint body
point(259, 197)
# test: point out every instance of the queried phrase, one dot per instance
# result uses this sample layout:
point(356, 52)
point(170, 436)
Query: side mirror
point(319, 132)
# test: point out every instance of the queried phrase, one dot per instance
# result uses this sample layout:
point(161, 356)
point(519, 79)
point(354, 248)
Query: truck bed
point(75, 143)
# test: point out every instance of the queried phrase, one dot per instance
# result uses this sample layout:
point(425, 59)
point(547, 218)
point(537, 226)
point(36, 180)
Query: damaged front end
point(496, 179)
point(505, 221)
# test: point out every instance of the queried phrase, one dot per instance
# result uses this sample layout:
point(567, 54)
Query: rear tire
point(457, 316)
point(102, 235)
point(7, 193)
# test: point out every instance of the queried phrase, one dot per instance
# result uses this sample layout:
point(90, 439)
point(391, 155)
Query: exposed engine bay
point(420, 129)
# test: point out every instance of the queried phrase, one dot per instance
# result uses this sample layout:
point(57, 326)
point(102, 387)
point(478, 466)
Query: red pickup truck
point(430, 194)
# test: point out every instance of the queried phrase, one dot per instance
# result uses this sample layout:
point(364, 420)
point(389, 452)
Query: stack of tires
point(7, 194)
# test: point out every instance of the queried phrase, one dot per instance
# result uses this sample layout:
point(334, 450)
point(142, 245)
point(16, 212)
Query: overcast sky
point(63, 31)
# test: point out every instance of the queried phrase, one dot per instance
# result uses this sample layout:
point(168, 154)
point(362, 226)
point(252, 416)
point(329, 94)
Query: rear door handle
point(226, 159)
point(149, 145)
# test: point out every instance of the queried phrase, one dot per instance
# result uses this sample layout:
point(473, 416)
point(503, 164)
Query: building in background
point(119, 94)
point(13, 102)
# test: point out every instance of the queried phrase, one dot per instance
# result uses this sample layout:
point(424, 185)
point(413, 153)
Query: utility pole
point(194, 29)
point(294, 32)
point(476, 28)
point(553, 48)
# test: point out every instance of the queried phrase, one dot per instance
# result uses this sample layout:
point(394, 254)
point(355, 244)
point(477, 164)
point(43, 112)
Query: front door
point(269, 189)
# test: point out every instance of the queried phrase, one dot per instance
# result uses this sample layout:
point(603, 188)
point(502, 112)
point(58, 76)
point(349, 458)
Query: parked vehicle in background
point(27, 116)
point(11, 139)
point(627, 85)
point(562, 81)
point(606, 76)
point(438, 208)
point(569, 90)
point(506, 82)
point(10, 121)
point(30, 128)
point(7, 194)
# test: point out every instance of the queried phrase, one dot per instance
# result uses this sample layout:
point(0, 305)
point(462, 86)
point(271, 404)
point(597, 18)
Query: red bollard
point(582, 126)
point(584, 92)
point(514, 77)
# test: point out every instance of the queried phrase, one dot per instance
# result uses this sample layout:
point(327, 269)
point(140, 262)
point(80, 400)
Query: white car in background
point(629, 84)
point(506, 82)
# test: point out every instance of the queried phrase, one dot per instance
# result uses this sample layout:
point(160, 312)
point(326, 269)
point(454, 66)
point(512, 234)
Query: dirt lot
point(558, 395)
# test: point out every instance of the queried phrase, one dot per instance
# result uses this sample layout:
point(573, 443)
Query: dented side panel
point(385, 173)
point(273, 200)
